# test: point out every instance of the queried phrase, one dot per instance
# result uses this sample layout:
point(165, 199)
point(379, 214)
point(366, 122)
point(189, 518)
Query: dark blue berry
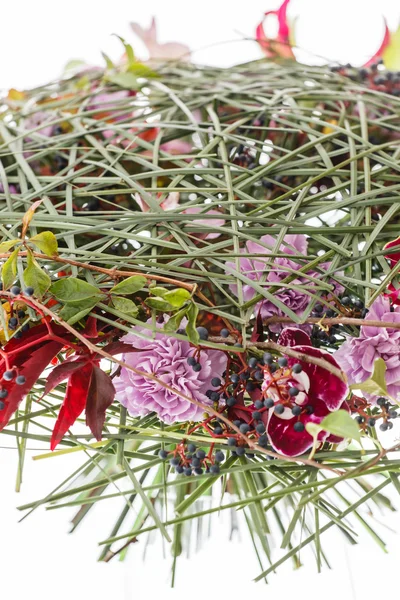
point(389, 425)
point(216, 382)
point(191, 447)
point(244, 376)
point(197, 367)
point(297, 368)
point(259, 375)
point(279, 409)
point(174, 462)
point(269, 403)
point(260, 428)
point(231, 441)
point(163, 454)
point(258, 404)
point(240, 451)
point(12, 323)
point(282, 361)
point(201, 454)
point(237, 422)
point(238, 345)
point(214, 396)
point(3, 393)
point(293, 391)
point(359, 419)
point(299, 426)
point(20, 380)
point(196, 462)
point(219, 456)
point(256, 415)
point(18, 335)
point(214, 469)
point(318, 308)
point(21, 314)
point(273, 368)
point(179, 469)
point(244, 428)
point(25, 327)
point(209, 393)
point(8, 375)
point(250, 387)
point(2, 405)
point(263, 440)
point(392, 414)
point(267, 358)
point(218, 430)
point(296, 410)
point(231, 401)
point(346, 301)
point(224, 333)
point(381, 401)
point(187, 471)
point(15, 290)
point(309, 409)
point(384, 426)
point(371, 422)
point(253, 362)
point(198, 471)
point(234, 378)
point(191, 361)
point(203, 333)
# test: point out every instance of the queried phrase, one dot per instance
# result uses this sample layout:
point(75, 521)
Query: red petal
point(293, 336)
point(74, 402)
point(100, 397)
point(280, 46)
point(393, 257)
point(285, 440)
point(385, 42)
point(323, 385)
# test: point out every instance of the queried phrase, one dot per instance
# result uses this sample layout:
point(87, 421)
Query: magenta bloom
point(166, 358)
point(357, 355)
point(270, 271)
point(320, 392)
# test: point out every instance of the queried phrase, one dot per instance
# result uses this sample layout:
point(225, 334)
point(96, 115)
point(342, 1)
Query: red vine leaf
point(120, 348)
point(74, 402)
point(61, 372)
point(100, 397)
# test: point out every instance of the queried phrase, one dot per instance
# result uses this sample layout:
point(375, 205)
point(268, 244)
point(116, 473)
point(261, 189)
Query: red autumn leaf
point(393, 257)
point(61, 372)
point(385, 42)
point(120, 348)
point(213, 323)
point(257, 334)
point(90, 330)
point(74, 402)
point(30, 362)
point(279, 46)
point(100, 397)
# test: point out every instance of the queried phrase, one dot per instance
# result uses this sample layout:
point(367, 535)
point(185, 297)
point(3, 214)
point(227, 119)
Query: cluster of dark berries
point(9, 376)
point(190, 460)
point(350, 307)
point(383, 411)
point(374, 77)
point(17, 322)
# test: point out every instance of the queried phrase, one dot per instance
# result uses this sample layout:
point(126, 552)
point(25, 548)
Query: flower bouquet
point(200, 296)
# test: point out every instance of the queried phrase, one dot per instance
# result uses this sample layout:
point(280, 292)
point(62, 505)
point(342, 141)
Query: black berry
point(20, 380)
point(203, 333)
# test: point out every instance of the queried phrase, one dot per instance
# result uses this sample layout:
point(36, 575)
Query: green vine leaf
point(46, 242)
point(35, 276)
point(125, 305)
point(75, 311)
point(6, 246)
point(177, 297)
point(129, 286)
point(340, 423)
point(128, 81)
point(9, 270)
point(159, 304)
point(191, 330)
point(173, 323)
point(71, 289)
point(376, 384)
point(158, 291)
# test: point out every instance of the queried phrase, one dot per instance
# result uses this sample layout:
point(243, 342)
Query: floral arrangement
point(200, 294)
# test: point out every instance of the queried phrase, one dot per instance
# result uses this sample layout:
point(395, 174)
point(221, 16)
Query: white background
point(37, 557)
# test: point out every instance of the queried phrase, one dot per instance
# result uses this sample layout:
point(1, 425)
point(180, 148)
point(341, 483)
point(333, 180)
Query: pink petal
point(280, 46)
point(382, 47)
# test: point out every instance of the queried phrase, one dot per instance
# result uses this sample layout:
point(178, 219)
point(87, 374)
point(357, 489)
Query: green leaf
point(129, 286)
point(376, 384)
point(6, 246)
point(158, 291)
point(191, 330)
point(340, 423)
point(75, 311)
point(36, 277)
point(177, 297)
point(173, 323)
point(125, 305)
point(109, 62)
point(128, 81)
point(71, 289)
point(159, 304)
point(9, 269)
point(141, 70)
point(46, 242)
point(130, 55)
point(391, 54)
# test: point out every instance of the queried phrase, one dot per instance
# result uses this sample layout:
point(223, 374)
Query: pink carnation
point(358, 355)
point(166, 358)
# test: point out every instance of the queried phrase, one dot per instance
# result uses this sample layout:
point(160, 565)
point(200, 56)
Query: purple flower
point(274, 270)
point(166, 358)
point(357, 355)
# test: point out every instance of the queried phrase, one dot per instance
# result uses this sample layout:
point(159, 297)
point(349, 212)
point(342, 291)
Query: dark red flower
point(317, 392)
